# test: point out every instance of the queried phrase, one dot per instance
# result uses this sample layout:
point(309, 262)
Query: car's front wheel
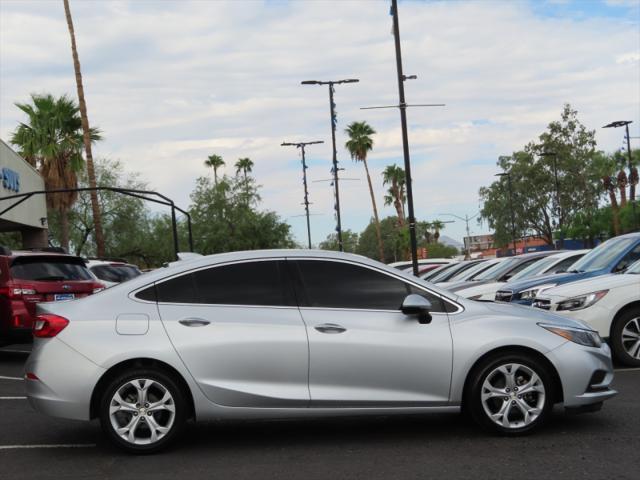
point(625, 338)
point(143, 410)
point(510, 394)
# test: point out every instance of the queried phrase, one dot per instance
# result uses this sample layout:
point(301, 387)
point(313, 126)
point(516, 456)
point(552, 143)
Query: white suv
point(609, 303)
point(112, 272)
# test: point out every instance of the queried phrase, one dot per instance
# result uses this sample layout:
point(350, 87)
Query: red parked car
point(30, 277)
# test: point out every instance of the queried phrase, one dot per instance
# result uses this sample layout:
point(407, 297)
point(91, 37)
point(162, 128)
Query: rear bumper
point(585, 372)
point(63, 388)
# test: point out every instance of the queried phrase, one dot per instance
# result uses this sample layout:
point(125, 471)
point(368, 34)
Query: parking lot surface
point(601, 445)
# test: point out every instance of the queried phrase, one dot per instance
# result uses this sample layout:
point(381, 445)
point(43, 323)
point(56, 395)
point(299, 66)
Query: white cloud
point(172, 82)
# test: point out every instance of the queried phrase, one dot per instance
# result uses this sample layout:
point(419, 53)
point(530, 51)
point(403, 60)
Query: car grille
point(543, 304)
point(503, 295)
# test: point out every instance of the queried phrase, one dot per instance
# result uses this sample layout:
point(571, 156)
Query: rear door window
point(49, 269)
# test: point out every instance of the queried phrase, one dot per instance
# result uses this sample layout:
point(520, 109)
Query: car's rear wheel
point(510, 394)
point(625, 338)
point(143, 410)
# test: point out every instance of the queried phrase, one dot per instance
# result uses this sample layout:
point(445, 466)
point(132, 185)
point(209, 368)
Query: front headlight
point(588, 338)
point(532, 293)
point(583, 301)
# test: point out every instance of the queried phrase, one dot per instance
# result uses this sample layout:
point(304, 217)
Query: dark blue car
point(612, 256)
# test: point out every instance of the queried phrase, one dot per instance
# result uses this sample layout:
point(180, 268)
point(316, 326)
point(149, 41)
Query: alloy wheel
point(631, 338)
point(513, 395)
point(142, 411)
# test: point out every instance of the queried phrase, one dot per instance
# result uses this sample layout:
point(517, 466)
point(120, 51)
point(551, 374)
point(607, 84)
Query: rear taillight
point(17, 291)
point(47, 325)
point(98, 287)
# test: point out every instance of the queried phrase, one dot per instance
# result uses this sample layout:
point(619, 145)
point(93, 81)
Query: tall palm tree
point(395, 176)
point(86, 130)
point(359, 145)
point(244, 165)
point(51, 140)
point(215, 162)
point(437, 225)
point(609, 185)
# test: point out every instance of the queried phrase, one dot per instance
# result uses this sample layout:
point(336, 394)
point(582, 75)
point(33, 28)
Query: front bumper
point(65, 380)
point(585, 373)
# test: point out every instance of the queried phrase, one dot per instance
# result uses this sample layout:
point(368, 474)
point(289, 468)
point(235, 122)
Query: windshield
point(49, 269)
point(115, 273)
point(443, 276)
point(635, 268)
point(603, 255)
point(497, 270)
point(473, 271)
point(535, 268)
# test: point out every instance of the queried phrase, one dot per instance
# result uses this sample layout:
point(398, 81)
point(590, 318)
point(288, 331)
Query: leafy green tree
point(52, 141)
point(566, 152)
point(359, 145)
point(215, 162)
point(349, 241)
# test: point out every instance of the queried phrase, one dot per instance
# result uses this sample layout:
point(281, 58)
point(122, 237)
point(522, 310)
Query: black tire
point(617, 345)
point(160, 381)
point(475, 407)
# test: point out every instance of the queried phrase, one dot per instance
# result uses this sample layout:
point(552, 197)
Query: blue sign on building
point(10, 180)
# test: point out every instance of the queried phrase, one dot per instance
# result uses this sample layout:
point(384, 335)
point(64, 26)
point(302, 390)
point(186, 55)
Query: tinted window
point(49, 269)
point(115, 273)
point(341, 285)
point(629, 258)
point(250, 283)
point(148, 294)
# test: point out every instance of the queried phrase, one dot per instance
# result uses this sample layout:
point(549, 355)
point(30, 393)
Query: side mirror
point(417, 305)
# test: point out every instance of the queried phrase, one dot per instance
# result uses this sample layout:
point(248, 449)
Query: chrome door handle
point(194, 322)
point(330, 328)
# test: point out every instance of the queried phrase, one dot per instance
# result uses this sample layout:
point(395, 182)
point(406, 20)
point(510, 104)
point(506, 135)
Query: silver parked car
point(302, 333)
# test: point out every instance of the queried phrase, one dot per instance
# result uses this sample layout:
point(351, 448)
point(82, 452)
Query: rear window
point(115, 273)
point(49, 269)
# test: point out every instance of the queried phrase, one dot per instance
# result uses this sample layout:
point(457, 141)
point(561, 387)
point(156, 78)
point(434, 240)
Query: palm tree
point(215, 162)
point(244, 165)
point(51, 140)
point(609, 185)
point(359, 145)
point(86, 137)
point(395, 176)
point(437, 225)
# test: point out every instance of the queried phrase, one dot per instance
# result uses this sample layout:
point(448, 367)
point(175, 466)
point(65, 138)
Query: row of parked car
point(29, 277)
point(599, 286)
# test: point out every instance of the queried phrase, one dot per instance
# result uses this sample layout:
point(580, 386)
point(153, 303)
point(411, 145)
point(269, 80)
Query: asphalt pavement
point(602, 445)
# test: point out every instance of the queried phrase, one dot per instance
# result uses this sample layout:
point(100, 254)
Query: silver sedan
point(302, 333)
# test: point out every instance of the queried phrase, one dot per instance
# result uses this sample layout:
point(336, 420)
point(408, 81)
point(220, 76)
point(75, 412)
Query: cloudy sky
point(170, 82)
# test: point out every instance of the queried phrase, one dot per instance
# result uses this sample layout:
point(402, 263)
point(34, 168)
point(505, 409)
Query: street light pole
point(334, 168)
point(554, 156)
point(301, 146)
point(466, 220)
point(405, 138)
point(513, 218)
point(625, 123)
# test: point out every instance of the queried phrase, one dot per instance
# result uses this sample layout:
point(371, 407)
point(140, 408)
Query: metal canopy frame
point(142, 194)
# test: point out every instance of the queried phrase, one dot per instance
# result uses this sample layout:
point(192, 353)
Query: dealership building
point(29, 217)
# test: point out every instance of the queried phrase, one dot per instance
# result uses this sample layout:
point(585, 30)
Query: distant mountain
point(450, 241)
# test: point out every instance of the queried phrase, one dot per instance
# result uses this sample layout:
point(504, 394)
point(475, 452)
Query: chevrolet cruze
point(302, 333)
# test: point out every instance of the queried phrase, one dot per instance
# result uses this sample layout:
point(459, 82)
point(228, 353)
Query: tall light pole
point(334, 168)
point(405, 138)
point(301, 146)
point(559, 212)
point(466, 220)
point(513, 217)
point(625, 123)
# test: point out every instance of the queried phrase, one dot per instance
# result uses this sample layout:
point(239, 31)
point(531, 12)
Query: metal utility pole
point(334, 168)
point(625, 123)
point(466, 220)
point(513, 217)
point(306, 203)
point(554, 155)
point(405, 139)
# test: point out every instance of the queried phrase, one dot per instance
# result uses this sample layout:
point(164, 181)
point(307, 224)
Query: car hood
point(456, 286)
point(479, 288)
point(582, 287)
point(557, 278)
point(511, 310)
